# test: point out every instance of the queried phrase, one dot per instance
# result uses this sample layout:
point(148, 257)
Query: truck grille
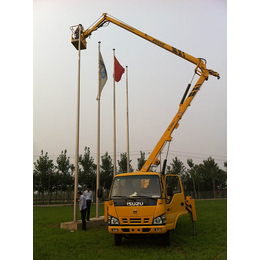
point(135, 221)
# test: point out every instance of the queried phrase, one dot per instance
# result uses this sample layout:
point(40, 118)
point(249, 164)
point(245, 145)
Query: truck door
point(175, 202)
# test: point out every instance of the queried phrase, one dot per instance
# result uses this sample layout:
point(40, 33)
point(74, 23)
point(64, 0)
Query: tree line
point(49, 178)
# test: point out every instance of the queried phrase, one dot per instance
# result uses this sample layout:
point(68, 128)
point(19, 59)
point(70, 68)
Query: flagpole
point(127, 120)
point(77, 135)
point(114, 110)
point(98, 135)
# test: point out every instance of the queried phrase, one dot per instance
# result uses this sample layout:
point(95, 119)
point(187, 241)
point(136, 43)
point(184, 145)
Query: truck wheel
point(118, 240)
point(166, 238)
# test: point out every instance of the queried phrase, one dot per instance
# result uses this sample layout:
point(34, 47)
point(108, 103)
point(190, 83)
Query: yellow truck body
point(145, 203)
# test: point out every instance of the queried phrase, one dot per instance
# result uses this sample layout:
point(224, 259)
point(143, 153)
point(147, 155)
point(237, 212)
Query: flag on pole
point(103, 74)
point(119, 70)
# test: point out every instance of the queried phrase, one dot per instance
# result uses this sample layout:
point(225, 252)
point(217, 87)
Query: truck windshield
point(138, 185)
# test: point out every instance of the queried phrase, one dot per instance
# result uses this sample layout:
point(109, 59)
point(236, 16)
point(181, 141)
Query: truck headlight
point(160, 220)
point(112, 220)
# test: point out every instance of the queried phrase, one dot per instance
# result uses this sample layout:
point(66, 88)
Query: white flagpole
point(98, 134)
point(114, 102)
point(77, 135)
point(127, 121)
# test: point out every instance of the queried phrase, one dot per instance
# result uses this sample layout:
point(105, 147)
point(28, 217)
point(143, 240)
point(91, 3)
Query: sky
point(157, 78)
point(39, 89)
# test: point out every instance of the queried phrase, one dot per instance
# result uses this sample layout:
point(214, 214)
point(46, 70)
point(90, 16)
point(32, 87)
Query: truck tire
point(118, 239)
point(166, 238)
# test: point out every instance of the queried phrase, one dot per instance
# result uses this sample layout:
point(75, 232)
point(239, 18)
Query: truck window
point(173, 182)
point(138, 185)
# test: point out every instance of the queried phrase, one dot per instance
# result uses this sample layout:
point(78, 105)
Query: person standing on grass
point(89, 197)
point(82, 209)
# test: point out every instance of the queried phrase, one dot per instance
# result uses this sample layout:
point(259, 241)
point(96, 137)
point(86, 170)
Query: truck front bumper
point(160, 229)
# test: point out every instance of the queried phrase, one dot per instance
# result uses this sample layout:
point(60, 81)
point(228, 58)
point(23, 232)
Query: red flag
point(119, 70)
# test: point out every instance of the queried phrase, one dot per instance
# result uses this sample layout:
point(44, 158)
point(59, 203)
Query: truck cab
point(144, 203)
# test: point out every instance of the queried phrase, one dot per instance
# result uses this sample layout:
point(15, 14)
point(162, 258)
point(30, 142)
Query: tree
point(177, 167)
point(221, 179)
point(212, 170)
point(123, 163)
point(64, 172)
point(106, 173)
point(43, 172)
point(141, 161)
point(225, 164)
point(87, 173)
point(192, 172)
point(199, 170)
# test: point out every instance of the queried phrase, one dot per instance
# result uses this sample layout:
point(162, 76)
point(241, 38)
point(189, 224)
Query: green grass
point(51, 242)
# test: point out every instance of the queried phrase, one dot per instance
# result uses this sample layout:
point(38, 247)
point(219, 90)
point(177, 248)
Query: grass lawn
point(51, 242)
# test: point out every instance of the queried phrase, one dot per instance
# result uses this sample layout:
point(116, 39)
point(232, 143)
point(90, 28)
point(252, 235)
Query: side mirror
point(169, 191)
point(100, 193)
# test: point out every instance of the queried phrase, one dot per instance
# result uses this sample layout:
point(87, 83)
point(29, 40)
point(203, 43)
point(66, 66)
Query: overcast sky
point(157, 78)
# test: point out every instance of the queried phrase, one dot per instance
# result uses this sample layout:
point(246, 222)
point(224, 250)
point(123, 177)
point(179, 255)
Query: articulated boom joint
point(202, 70)
point(156, 161)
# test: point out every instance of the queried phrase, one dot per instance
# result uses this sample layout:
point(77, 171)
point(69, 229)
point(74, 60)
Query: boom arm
point(105, 18)
point(200, 69)
point(173, 125)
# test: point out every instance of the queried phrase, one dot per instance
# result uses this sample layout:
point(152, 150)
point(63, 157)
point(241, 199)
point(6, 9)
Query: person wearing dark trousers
point(82, 209)
point(89, 197)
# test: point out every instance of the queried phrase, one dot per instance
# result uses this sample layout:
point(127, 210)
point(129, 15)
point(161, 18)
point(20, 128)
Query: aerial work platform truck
point(146, 202)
